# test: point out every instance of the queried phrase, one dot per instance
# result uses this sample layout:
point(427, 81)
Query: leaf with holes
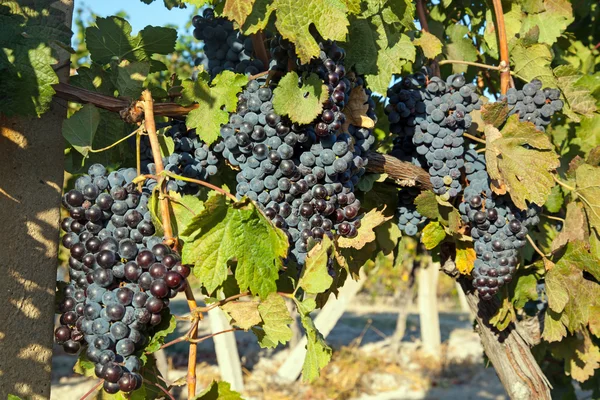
point(301, 101)
point(368, 223)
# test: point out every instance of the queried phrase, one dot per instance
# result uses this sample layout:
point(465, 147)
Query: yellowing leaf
point(532, 62)
point(580, 354)
point(575, 227)
point(432, 235)
point(588, 190)
point(524, 170)
point(579, 100)
point(430, 44)
point(238, 10)
point(356, 110)
point(504, 316)
point(315, 277)
point(465, 257)
point(301, 103)
point(243, 313)
point(365, 235)
point(495, 113)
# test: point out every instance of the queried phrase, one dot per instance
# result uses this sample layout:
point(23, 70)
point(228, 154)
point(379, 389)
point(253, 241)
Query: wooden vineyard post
point(428, 309)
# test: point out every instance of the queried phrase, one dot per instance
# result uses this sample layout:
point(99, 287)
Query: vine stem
point(203, 338)
point(474, 64)
point(561, 183)
point(117, 142)
point(258, 42)
point(165, 391)
point(475, 138)
point(220, 303)
point(92, 390)
point(150, 124)
point(553, 217)
point(503, 45)
point(537, 249)
point(199, 182)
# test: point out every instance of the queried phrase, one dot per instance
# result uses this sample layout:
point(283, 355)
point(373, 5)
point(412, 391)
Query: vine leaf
point(495, 113)
point(432, 235)
point(430, 44)
point(318, 353)
point(215, 102)
point(459, 47)
point(533, 61)
point(238, 10)
point(161, 331)
point(570, 294)
point(504, 316)
point(465, 257)
point(80, 129)
point(555, 200)
point(427, 205)
point(276, 320)
point(587, 178)
point(579, 100)
point(84, 366)
point(26, 61)
point(366, 182)
point(315, 277)
point(368, 223)
point(226, 232)
point(301, 103)
point(183, 209)
point(551, 21)
point(111, 37)
point(218, 391)
point(293, 19)
point(131, 77)
point(356, 110)
point(575, 227)
point(244, 314)
point(524, 170)
point(580, 354)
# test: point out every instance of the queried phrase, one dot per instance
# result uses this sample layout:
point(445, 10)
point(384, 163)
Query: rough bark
point(31, 180)
point(508, 351)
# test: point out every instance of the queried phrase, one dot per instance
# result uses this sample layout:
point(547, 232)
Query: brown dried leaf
point(356, 110)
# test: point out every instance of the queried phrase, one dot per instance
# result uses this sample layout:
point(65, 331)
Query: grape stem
point(553, 217)
point(92, 390)
point(258, 42)
point(503, 45)
point(260, 74)
point(537, 249)
point(165, 391)
point(148, 104)
point(138, 158)
point(183, 338)
point(571, 188)
point(219, 303)
point(199, 182)
point(475, 138)
point(474, 64)
point(203, 338)
point(137, 131)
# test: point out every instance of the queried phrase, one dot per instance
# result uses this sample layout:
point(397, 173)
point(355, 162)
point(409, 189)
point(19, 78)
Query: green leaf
point(551, 22)
point(111, 38)
point(244, 314)
point(531, 62)
point(569, 292)
point(26, 58)
point(432, 235)
point(360, 47)
point(555, 200)
point(458, 47)
point(161, 331)
point(167, 144)
point(430, 45)
point(512, 21)
point(318, 354)
point(399, 12)
point(579, 100)
point(366, 181)
point(394, 52)
point(79, 130)
point(276, 320)
point(588, 190)
point(84, 366)
point(131, 77)
point(495, 113)
point(366, 234)
point(218, 391)
point(238, 10)
point(522, 158)
point(315, 277)
point(13, 397)
point(301, 103)
point(215, 102)
point(427, 205)
point(238, 231)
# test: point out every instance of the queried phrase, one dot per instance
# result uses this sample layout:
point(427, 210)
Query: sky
point(140, 14)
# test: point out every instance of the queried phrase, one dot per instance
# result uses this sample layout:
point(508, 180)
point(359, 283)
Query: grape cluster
point(122, 276)
point(303, 182)
point(439, 135)
point(282, 51)
point(498, 229)
point(191, 158)
point(225, 49)
point(406, 106)
point(534, 104)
